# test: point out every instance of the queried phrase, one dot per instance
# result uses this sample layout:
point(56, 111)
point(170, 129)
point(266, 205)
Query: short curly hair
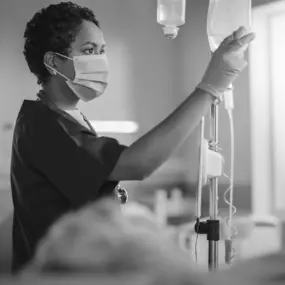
point(53, 29)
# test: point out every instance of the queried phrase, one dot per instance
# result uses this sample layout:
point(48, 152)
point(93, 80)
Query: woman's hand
point(227, 63)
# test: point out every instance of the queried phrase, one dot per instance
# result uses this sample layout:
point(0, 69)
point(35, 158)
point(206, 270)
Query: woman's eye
point(90, 51)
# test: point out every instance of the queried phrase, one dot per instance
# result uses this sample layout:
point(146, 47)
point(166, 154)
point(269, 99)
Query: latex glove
point(227, 63)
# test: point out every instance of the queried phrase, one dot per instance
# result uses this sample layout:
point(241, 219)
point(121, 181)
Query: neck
point(61, 96)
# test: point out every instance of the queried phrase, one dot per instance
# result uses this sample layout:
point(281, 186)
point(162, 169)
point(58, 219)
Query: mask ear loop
point(57, 72)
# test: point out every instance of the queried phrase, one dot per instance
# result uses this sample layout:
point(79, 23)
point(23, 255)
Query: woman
point(58, 161)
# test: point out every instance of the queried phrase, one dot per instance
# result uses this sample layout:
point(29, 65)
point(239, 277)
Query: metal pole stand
point(212, 226)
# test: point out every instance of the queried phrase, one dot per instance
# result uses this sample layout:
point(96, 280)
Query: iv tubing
point(231, 173)
point(229, 105)
point(201, 164)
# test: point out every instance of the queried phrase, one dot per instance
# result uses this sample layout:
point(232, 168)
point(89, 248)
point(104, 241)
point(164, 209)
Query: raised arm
point(149, 152)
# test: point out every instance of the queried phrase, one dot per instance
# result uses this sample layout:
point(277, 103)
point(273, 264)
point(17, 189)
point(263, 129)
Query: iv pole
point(212, 226)
point(214, 229)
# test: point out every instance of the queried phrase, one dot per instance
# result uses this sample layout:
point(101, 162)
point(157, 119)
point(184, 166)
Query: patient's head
point(100, 238)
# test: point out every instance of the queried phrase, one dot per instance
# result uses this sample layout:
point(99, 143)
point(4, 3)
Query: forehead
point(89, 32)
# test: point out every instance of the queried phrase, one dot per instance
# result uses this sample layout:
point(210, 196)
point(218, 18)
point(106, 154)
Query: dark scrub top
point(57, 165)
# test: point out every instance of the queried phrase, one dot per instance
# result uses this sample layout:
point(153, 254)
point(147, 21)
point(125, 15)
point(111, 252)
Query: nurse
point(59, 163)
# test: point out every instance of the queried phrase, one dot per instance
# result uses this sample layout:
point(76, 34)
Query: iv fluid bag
point(171, 15)
point(226, 16)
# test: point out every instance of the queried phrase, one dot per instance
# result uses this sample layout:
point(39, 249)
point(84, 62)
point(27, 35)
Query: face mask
point(91, 76)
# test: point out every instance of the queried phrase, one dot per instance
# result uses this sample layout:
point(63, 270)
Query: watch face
point(122, 194)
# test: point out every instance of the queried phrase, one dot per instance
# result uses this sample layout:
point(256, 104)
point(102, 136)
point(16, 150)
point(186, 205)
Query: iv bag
point(171, 15)
point(224, 17)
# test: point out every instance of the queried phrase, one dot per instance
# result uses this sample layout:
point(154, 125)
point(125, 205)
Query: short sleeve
point(77, 163)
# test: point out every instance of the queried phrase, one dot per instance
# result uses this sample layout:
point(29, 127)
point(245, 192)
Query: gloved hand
point(226, 63)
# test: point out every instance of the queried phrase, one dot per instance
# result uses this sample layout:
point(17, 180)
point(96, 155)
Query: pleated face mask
point(91, 76)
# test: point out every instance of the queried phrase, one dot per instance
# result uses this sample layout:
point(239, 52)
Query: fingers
point(234, 36)
point(227, 40)
point(240, 33)
point(240, 37)
point(241, 43)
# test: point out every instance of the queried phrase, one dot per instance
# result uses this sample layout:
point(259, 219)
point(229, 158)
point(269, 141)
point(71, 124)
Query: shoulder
point(37, 119)
point(34, 113)
point(36, 123)
point(38, 126)
point(33, 120)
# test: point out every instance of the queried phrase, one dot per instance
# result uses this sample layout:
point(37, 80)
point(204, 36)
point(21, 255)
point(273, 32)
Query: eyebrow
point(94, 44)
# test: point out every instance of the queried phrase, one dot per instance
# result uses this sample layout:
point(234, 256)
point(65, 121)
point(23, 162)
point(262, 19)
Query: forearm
point(155, 147)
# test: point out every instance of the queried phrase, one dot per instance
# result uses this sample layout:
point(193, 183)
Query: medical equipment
point(171, 15)
point(224, 17)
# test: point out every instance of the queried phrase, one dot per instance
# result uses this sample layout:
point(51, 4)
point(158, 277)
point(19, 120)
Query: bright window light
point(120, 127)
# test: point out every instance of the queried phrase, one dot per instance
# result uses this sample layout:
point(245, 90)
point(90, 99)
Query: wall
point(263, 2)
point(267, 112)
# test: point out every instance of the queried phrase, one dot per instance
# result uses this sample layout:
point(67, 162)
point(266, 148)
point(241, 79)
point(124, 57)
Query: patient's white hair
point(101, 239)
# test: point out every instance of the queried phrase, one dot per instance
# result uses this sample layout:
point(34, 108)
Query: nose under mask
point(91, 76)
